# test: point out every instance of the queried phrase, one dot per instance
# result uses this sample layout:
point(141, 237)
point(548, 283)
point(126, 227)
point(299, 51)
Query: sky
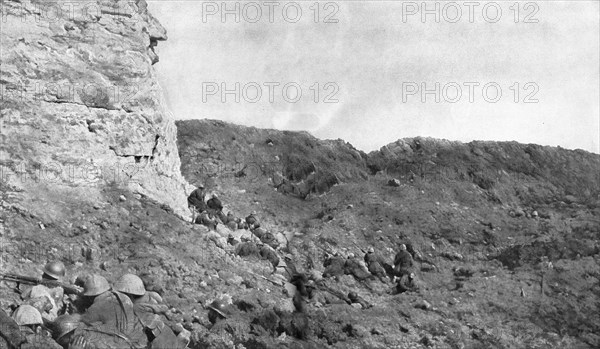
point(372, 72)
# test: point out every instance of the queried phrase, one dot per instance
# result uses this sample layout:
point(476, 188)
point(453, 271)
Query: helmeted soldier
point(334, 266)
point(354, 267)
point(133, 286)
point(217, 310)
point(408, 282)
point(112, 312)
point(355, 298)
point(196, 202)
point(30, 323)
point(64, 326)
point(375, 264)
point(54, 270)
point(252, 221)
point(147, 309)
point(214, 203)
point(403, 262)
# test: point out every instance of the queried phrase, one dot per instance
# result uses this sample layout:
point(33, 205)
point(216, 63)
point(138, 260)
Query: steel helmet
point(55, 270)
point(219, 307)
point(131, 284)
point(65, 324)
point(352, 295)
point(27, 315)
point(95, 285)
point(371, 249)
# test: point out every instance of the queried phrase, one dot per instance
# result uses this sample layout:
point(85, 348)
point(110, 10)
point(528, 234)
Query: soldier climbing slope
point(403, 262)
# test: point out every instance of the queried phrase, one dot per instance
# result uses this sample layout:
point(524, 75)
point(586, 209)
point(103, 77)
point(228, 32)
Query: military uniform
point(407, 283)
point(334, 267)
point(252, 222)
point(112, 312)
point(35, 340)
point(268, 253)
point(403, 263)
point(375, 264)
point(355, 268)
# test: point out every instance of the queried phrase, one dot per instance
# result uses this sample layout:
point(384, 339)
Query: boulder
point(394, 183)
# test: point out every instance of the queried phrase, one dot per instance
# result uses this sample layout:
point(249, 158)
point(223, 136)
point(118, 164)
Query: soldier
point(300, 280)
point(232, 225)
point(214, 203)
point(259, 232)
point(355, 298)
point(334, 266)
point(207, 219)
point(147, 309)
point(111, 312)
point(222, 217)
point(375, 264)
point(64, 327)
point(54, 271)
point(355, 268)
point(268, 253)
point(10, 333)
point(97, 290)
point(403, 262)
point(252, 221)
point(196, 202)
point(241, 224)
point(217, 310)
point(230, 221)
point(30, 321)
point(269, 239)
point(133, 286)
point(40, 295)
point(407, 282)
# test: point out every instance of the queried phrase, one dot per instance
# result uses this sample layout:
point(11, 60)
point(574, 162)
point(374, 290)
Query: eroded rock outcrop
point(81, 105)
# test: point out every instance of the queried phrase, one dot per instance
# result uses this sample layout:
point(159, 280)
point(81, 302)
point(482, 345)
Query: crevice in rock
point(136, 157)
point(154, 149)
point(81, 104)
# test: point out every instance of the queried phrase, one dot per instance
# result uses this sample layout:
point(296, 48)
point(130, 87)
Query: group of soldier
point(207, 209)
point(402, 273)
point(93, 314)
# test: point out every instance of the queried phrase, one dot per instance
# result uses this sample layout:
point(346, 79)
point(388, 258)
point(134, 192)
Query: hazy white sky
point(367, 57)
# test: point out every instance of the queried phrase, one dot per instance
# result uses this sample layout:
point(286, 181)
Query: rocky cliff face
point(81, 106)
